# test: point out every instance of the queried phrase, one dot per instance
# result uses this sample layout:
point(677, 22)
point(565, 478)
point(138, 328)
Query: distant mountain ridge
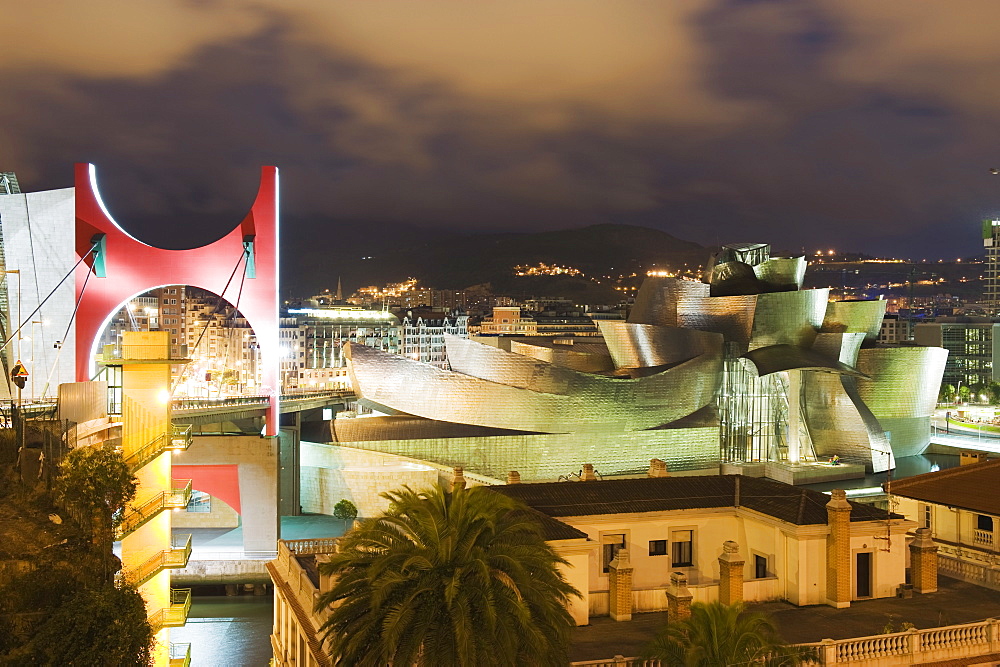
point(453, 260)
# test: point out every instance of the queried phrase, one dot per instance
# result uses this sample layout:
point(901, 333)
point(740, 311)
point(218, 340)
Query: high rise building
point(991, 241)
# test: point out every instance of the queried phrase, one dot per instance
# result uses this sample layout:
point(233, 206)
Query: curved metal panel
point(840, 423)
point(657, 299)
point(782, 273)
point(731, 316)
point(775, 358)
point(843, 347)
point(788, 318)
point(586, 358)
point(905, 380)
point(855, 317)
point(644, 345)
point(518, 393)
point(758, 320)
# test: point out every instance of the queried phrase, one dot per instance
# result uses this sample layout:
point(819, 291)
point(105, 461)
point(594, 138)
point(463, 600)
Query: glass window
point(759, 566)
point(927, 516)
point(200, 502)
point(657, 547)
point(612, 544)
point(683, 552)
point(984, 522)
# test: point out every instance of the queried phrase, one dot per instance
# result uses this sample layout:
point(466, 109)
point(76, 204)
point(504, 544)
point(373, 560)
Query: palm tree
point(718, 634)
point(462, 578)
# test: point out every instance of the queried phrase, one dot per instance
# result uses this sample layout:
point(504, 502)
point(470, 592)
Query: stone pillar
point(588, 473)
point(458, 479)
point(658, 468)
point(730, 573)
point(838, 550)
point(678, 598)
point(513, 477)
point(924, 562)
point(620, 585)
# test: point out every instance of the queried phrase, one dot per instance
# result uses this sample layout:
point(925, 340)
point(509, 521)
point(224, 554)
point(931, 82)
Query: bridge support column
point(289, 452)
point(256, 459)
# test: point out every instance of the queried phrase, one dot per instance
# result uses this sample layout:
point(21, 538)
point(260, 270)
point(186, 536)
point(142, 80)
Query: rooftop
point(658, 494)
point(955, 602)
point(970, 487)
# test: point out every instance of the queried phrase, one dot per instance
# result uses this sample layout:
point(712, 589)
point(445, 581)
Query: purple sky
point(850, 124)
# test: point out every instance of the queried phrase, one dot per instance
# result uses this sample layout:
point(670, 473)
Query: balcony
point(178, 438)
point(138, 515)
point(177, 556)
point(180, 655)
point(176, 614)
point(983, 538)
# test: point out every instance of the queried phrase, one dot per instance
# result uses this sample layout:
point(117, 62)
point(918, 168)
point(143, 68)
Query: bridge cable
point(204, 330)
point(10, 339)
point(61, 342)
point(232, 316)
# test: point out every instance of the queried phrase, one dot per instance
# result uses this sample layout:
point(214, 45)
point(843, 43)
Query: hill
point(376, 255)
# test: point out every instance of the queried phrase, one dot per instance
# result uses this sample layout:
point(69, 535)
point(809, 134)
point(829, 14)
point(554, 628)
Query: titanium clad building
point(743, 367)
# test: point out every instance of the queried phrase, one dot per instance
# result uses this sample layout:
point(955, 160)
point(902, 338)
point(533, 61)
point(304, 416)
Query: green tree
point(345, 510)
point(96, 627)
point(963, 393)
point(993, 392)
point(720, 635)
point(440, 578)
point(96, 484)
point(947, 394)
point(976, 391)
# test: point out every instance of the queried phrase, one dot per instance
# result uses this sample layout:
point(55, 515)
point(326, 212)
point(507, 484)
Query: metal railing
point(142, 353)
point(180, 655)
point(139, 514)
point(176, 614)
point(257, 399)
point(178, 438)
point(177, 556)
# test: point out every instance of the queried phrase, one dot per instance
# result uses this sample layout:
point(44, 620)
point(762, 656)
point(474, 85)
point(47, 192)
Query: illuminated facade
point(991, 241)
point(745, 367)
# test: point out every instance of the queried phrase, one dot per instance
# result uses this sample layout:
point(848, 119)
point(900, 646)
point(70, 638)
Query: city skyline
point(828, 124)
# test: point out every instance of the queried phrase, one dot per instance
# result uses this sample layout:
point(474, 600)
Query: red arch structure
point(124, 267)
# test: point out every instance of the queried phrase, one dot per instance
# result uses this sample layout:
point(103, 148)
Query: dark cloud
point(795, 123)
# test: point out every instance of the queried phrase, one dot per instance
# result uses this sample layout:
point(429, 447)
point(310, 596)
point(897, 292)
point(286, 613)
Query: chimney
point(513, 477)
point(838, 550)
point(588, 473)
point(458, 479)
point(658, 468)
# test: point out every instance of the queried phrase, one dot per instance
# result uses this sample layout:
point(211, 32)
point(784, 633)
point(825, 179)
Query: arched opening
point(222, 349)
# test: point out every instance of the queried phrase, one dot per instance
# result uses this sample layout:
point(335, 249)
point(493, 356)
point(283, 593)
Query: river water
point(228, 631)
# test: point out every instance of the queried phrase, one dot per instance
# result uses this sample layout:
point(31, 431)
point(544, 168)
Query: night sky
point(856, 124)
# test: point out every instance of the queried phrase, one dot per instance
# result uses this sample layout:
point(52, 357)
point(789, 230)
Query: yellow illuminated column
point(146, 432)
